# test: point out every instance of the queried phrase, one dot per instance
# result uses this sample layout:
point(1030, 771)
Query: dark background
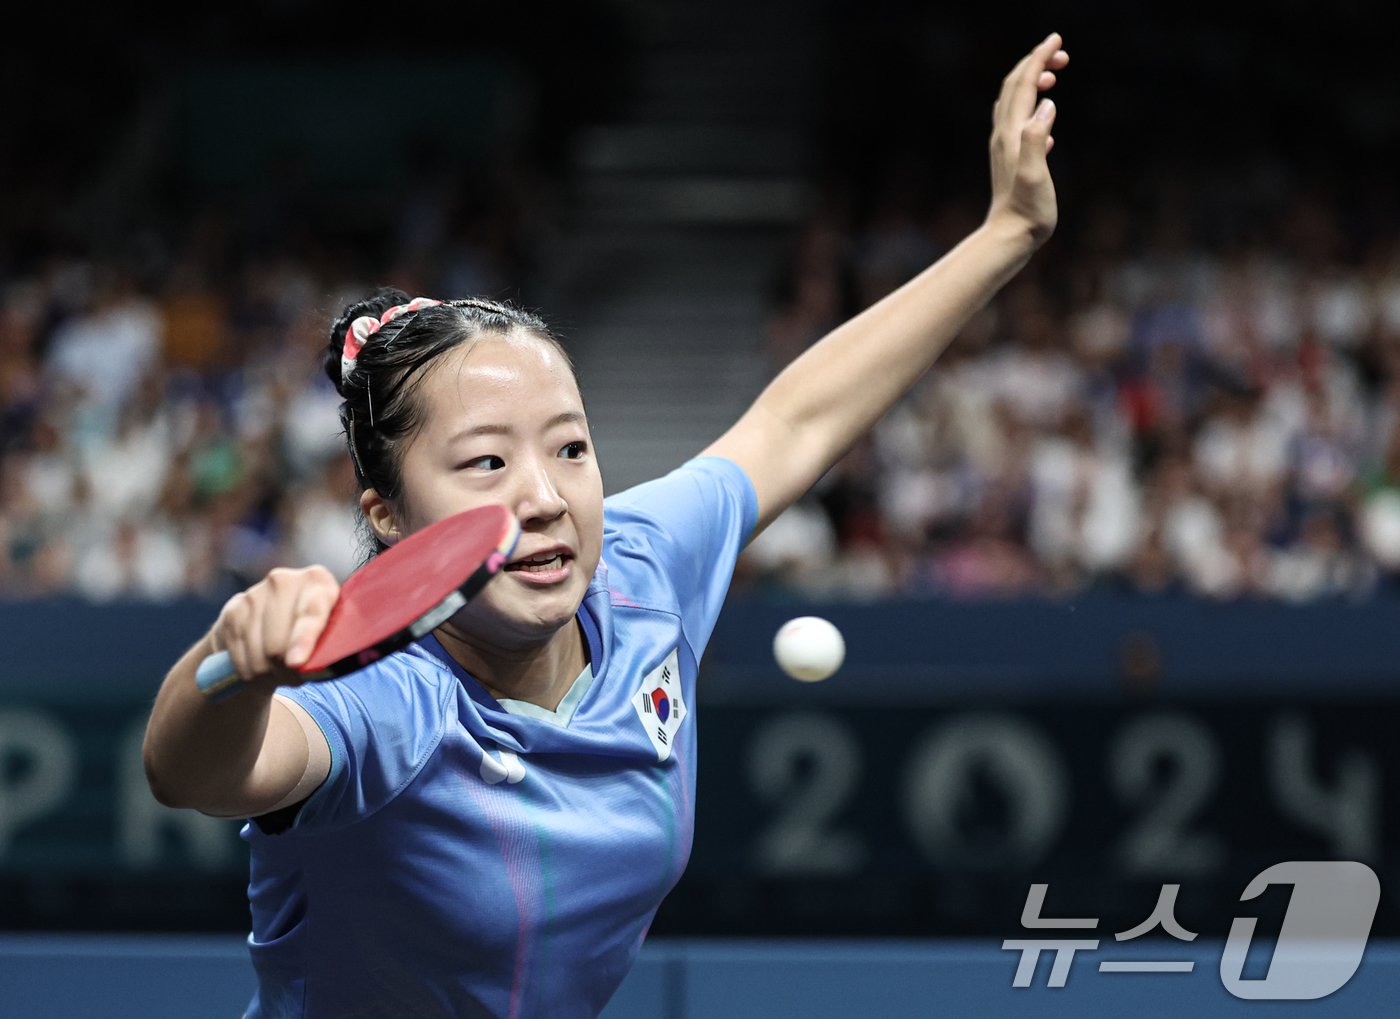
point(1216, 119)
point(1156, 91)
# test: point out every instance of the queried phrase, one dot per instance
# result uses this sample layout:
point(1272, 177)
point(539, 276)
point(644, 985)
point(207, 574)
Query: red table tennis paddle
point(401, 594)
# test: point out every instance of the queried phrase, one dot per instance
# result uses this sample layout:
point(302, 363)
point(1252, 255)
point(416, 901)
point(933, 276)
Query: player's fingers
point(1041, 123)
point(1058, 61)
point(1036, 59)
point(1036, 140)
point(230, 632)
point(310, 619)
point(313, 607)
point(282, 588)
point(1013, 103)
point(1018, 87)
point(292, 597)
point(254, 635)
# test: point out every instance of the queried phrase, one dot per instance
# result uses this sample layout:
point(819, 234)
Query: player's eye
point(573, 450)
point(490, 462)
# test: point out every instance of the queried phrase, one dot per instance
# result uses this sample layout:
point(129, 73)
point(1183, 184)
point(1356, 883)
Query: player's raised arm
point(256, 752)
point(817, 407)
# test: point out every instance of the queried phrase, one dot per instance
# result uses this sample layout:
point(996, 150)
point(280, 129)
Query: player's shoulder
point(410, 676)
point(658, 532)
point(678, 500)
point(420, 664)
point(690, 478)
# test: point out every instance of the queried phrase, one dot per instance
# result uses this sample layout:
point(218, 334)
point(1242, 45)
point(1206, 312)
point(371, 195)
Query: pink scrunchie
point(367, 325)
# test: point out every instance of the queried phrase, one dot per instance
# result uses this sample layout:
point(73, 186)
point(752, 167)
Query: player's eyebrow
point(563, 418)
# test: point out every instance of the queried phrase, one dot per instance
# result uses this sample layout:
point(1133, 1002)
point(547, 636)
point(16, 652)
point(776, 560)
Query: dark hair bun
point(376, 304)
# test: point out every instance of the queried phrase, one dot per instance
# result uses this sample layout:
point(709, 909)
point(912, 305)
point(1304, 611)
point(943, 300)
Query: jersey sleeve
point(692, 523)
point(382, 724)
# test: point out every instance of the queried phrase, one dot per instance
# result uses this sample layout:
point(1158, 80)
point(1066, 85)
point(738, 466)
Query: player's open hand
point(271, 628)
point(1023, 194)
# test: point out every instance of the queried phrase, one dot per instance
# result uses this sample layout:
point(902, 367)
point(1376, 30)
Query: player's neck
point(539, 675)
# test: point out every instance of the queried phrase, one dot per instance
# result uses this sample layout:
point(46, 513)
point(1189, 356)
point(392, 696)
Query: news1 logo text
point(1319, 947)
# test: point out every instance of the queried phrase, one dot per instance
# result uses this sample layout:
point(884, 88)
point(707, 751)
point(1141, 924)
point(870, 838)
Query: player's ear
point(380, 515)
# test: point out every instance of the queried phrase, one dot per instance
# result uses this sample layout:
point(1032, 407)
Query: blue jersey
point(472, 857)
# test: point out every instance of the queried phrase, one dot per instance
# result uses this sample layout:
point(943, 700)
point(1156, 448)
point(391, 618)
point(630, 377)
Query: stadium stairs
point(676, 216)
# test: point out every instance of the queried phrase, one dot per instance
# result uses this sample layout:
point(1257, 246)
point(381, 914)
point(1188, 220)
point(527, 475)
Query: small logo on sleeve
point(660, 706)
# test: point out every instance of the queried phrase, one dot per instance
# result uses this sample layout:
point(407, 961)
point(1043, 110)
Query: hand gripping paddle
point(404, 592)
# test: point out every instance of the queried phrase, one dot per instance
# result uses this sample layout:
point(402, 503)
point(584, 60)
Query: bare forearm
point(825, 400)
point(255, 752)
point(820, 404)
point(842, 385)
point(199, 754)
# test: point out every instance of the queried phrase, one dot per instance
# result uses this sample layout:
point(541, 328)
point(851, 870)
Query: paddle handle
point(216, 677)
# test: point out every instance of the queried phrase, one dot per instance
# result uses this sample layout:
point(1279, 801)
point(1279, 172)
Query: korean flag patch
point(659, 705)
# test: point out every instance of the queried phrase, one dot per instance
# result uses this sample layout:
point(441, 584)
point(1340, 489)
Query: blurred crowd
point(1162, 403)
point(1151, 407)
point(166, 428)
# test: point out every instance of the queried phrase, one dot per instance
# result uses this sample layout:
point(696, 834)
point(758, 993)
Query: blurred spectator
point(795, 553)
point(1166, 412)
point(1196, 388)
point(173, 433)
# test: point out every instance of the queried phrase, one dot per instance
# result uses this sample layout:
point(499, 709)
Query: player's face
point(503, 422)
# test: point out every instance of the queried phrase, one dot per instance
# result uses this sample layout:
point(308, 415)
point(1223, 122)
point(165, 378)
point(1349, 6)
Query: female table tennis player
point(486, 822)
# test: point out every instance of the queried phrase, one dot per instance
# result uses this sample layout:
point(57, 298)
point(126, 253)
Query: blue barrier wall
point(1084, 645)
point(1105, 746)
point(176, 978)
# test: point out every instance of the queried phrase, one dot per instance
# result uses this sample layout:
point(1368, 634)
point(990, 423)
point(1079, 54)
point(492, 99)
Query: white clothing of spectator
point(798, 550)
point(1084, 508)
point(106, 351)
point(143, 561)
point(1194, 533)
point(126, 476)
point(311, 429)
point(1038, 385)
point(1241, 447)
point(1379, 527)
point(1317, 565)
point(323, 531)
point(1339, 308)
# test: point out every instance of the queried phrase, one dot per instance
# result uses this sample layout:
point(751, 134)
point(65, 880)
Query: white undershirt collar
point(560, 716)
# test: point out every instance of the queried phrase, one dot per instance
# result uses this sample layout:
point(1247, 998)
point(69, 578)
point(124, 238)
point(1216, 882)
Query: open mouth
point(547, 562)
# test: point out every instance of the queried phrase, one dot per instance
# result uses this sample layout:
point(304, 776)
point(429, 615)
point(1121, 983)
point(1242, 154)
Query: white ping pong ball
point(809, 648)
